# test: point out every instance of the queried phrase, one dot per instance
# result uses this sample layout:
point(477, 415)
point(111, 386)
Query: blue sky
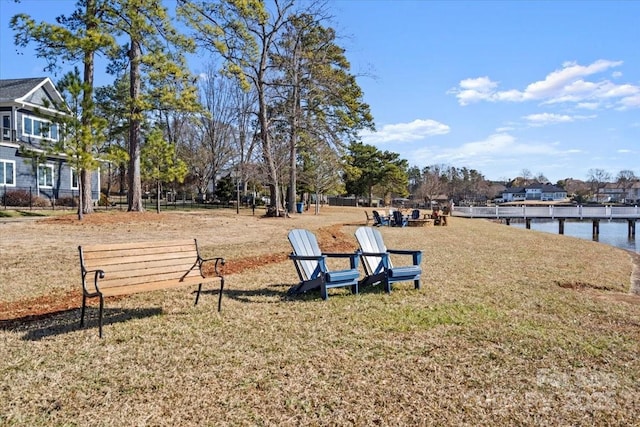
point(548, 86)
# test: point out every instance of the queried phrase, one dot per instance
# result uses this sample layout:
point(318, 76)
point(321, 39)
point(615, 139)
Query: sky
point(550, 87)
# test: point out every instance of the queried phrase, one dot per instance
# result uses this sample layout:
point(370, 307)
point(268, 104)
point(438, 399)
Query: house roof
point(30, 91)
point(15, 89)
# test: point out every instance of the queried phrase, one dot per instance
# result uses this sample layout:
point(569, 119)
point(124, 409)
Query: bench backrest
point(138, 263)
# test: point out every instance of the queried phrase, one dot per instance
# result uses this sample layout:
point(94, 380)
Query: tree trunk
point(158, 196)
point(85, 189)
point(87, 109)
point(134, 196)
point(80, 198)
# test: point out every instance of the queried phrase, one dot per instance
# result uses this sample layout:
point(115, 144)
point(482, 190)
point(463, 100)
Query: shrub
point(22, 198)
point(68, 201)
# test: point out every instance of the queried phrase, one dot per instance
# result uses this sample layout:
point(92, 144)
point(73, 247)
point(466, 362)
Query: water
point(614, 233)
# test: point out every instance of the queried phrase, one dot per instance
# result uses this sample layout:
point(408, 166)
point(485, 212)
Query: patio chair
point(399, 220)
point(311, 265)
point(376, 261)
point(379, 220)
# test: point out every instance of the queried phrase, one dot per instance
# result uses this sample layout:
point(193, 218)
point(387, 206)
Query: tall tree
point(367, 167)
point(73, 142)
point(324, 101)
point(111, 101)
point(245, 35)
point(597, 178)
point(160, 163)
point(154, 54)
point(74, 38)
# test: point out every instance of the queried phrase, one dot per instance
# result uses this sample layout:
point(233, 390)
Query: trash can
point(299, 207)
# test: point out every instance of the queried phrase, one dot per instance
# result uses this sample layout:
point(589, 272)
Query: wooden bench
point(121, 269)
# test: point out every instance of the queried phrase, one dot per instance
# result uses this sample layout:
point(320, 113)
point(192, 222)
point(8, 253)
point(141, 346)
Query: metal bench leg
point(100, 318)
point(220, 295)
point(198, 294)
point(84, 304)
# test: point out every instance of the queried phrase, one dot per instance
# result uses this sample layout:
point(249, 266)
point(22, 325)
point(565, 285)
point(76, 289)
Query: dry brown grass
point(511, 327)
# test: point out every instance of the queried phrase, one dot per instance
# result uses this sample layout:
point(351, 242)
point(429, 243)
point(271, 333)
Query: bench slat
point(175, 263)
point(161, 252)
point(137, 245)
point(154, 286)
point(136, 279)
point(168, 258)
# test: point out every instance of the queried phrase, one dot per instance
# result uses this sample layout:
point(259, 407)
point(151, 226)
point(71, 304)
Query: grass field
point(511, 327)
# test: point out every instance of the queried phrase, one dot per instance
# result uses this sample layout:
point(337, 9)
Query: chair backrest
point(305, 243)
point(397, 218)
point(376, 218)
point(415, 214)
point(370, 240)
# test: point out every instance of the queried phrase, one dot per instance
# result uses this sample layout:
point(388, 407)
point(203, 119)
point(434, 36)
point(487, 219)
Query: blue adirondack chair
point(311, 265)
point(399, 220)
point(379, 220)
point(376, 261)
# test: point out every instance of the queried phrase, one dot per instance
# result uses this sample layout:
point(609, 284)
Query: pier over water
point(630, 214)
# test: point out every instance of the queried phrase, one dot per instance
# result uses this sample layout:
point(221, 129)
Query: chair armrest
point(340, 255)
point(306, 257)
point(382, 254)
point(354, 257)
point(417, 254)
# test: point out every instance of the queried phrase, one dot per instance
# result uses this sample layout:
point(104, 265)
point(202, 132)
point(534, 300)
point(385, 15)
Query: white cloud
point(499, 151)
point(474, 90)
point(543, 119)
point(588, 105)
point(406, 132)
point(573, 83)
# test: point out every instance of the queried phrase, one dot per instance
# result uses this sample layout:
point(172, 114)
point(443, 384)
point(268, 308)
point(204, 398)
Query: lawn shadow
point(37, 327)
point(268, 294)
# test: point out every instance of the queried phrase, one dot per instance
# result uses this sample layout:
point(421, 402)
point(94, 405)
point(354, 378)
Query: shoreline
point(635, 273)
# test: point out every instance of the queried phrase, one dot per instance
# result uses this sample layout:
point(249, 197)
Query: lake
point(614, 233)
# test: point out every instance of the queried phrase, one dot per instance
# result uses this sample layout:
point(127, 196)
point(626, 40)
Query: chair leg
point(416, 283)
point(323, 292)
point(354, 289)
point(387, 286)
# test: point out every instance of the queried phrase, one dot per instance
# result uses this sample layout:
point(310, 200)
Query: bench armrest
point(97, 275)
point(218, 261)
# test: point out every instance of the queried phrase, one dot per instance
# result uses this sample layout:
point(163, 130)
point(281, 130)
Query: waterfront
point(612, 233)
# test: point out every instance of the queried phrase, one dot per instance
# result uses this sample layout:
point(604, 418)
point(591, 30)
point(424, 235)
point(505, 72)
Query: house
point(619, 192)
point(26, 106)
point(536, 191)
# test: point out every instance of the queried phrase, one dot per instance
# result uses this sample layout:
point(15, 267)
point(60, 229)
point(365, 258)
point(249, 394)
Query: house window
point(74, 179)
point(28, 126)
point(6, 127)
point(45, 176)
point(7, 172)
point(39, 128)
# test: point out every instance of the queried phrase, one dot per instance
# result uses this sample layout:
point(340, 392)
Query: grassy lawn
point(511, 327)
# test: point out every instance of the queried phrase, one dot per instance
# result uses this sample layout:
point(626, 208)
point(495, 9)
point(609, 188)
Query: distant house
point(25, 105)
point(628, 192)
point(536, 191)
